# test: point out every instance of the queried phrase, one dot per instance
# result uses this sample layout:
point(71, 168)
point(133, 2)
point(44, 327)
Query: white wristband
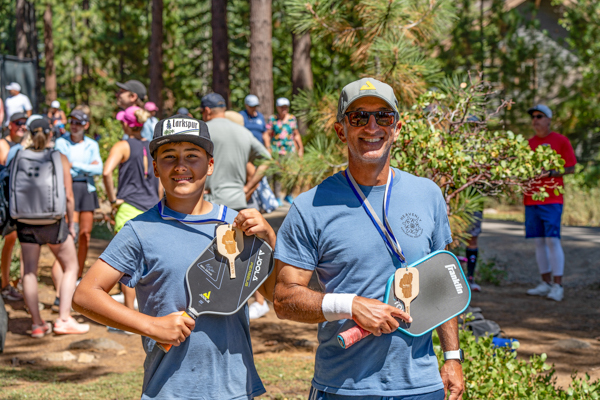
point(337, 306)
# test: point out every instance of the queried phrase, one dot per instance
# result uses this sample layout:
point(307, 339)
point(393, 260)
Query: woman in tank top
point(138, 187)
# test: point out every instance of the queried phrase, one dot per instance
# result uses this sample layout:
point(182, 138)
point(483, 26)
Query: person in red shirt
point(542, 218)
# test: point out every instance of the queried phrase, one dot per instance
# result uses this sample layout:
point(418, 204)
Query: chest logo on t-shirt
point(411, 225)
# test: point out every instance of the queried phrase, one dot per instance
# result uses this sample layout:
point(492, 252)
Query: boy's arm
point(92, 300)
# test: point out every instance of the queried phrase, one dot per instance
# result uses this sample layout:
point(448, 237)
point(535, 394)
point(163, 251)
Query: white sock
point(556, 256)
point(541, 255)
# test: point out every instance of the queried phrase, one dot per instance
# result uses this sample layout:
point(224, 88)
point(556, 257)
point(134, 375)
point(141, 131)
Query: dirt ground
point(537, 323)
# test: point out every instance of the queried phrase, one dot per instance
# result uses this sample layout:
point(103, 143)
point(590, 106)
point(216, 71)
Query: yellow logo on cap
point(207, 295)
point(367, 86)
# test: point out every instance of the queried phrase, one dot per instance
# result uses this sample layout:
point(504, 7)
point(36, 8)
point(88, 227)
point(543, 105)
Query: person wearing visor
point(83, 154)
point(282, 137)
point(139, 189)
point(328, 230)
point(152, 253)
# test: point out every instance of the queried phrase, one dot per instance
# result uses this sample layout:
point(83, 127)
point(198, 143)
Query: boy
point(152, 253)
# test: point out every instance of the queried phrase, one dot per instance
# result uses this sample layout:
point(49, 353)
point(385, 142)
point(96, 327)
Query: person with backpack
point(41, 192)
point(17, 129)
point(138, 187)
point(84, 156)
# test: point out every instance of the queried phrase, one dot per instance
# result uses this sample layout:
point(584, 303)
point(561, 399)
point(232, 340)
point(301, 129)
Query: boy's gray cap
point(363, 88)
point(544, 109)
point(181, 128)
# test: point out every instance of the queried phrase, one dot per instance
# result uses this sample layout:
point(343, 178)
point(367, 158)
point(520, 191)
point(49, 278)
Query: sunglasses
point(361, 118)
point(77, 122)
point(537, 116)
point(20, 123)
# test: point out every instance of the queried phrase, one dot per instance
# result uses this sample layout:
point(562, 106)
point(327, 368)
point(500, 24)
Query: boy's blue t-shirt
point(256, 125)
point(327, 230)
point(215, 361)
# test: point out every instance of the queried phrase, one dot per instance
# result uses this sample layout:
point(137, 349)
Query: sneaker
point(38, 331)
point(473, 286)
point(257, 310)
point(556, 293)
point(289, 199)
point(70, 327)
point(11, 294)
point(540, 290)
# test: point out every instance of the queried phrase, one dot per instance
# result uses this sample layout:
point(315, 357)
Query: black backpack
point(7, 224)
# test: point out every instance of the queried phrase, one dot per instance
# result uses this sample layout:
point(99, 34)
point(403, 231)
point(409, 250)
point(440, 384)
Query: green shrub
point(494, 373)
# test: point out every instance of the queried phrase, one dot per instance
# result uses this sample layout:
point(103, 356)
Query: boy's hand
point(172, 329)
point(251, 222)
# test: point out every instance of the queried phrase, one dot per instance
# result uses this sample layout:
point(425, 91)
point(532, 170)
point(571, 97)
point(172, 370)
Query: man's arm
point(451, 372)
point(556, 174)
point(253, 182)
point(295, 301)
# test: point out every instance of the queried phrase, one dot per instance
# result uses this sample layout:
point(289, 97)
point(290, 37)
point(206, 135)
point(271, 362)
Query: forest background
point(183, 49)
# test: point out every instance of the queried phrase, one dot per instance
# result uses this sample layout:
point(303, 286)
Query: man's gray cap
point(544, 109)
point(365, 87)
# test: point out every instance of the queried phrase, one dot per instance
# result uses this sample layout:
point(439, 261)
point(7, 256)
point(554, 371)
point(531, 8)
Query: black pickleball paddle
point(209, 286)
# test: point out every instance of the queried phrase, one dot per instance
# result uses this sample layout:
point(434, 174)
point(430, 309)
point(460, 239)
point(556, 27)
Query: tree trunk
point(220, 54)
point(156, 65)
point(302, 76)
point(20, 33)
point(49, 55)
point(261, 55)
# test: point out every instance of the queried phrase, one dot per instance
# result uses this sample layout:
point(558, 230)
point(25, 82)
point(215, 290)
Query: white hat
point(14, 86)
point(282, 101)
point(32, 118)
point(251, 100)
point(55, 104)
point(544, 109)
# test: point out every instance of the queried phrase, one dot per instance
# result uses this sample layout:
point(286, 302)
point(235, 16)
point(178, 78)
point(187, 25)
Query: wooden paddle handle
point(231, 268)
point(167, 347)
point(352, 336)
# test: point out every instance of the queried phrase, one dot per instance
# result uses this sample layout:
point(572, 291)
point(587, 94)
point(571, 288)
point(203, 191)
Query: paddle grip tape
point(352, 336)
point(167, 347)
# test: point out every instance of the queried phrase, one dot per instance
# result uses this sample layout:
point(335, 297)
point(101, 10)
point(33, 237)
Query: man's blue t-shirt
point(215, 361)
point(327, 230)
point(256, 125)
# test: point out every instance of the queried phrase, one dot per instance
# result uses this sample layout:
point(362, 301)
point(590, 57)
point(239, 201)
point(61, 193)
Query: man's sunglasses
point(77, 122)
point(537, 116)
point(20, 123)
point(361, 118)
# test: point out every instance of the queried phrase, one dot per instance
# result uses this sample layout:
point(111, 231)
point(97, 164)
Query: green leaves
point(497, 373)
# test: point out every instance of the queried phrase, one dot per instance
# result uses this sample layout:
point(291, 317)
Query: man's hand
point(375, 316)
point(452, 376)
point(172, 329)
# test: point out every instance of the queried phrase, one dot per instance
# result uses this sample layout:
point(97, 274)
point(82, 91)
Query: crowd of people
point(172, 173)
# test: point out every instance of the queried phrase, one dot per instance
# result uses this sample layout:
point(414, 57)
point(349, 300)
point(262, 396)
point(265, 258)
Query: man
point(234, 147)
point(542, 218)
point(254, 121)
point(184, 111)
point(16, 102)
point(327, 230)
point(472, 250)
point(133, 93)
point(17, 128)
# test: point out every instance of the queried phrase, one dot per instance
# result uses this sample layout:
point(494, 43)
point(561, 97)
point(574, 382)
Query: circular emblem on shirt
point(410, 225)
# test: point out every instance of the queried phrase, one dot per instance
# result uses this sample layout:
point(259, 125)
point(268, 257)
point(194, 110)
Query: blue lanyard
point(384, 229)
point(192, 219)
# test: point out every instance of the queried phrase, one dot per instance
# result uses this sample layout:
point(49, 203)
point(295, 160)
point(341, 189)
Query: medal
point(230, 243)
